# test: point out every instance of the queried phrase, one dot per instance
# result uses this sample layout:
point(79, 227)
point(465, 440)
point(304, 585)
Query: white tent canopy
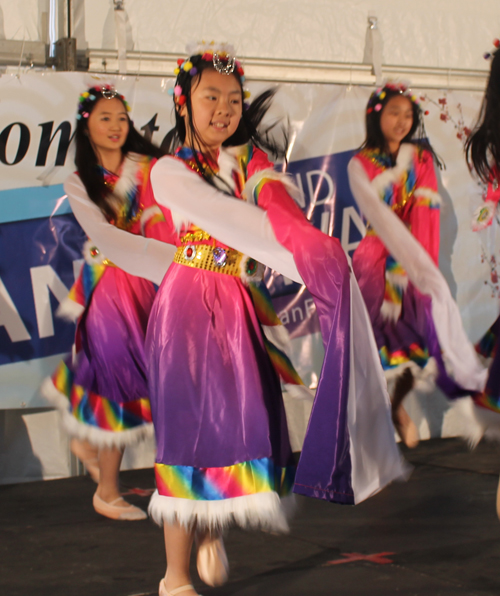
point(448, 35)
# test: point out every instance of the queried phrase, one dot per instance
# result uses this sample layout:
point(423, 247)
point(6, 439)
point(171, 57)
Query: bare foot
point(405, 427)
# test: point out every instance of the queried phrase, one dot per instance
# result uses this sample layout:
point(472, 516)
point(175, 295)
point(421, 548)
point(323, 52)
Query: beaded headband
point(378, 96)
point(220, 55)
point(87, 99)
point(489, 55)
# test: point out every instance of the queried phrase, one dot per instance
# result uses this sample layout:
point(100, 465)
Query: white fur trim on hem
point(264, 511)
point(97, 437)
point(478, 422)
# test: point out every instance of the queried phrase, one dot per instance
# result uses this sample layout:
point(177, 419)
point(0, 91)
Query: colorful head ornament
point(376, 101)
point(87, 99)
point(222, 57)
point(489, 55)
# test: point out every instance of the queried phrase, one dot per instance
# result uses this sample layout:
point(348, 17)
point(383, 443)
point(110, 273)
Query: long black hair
point(249, 127)
point(482, 148)
point(86, 159)
point(374, 136)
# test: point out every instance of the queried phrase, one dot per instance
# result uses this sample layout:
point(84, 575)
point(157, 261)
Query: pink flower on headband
point(177, 90)
point(378, 107)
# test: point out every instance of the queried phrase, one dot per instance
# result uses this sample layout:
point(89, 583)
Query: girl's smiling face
point(216, 105)
point(396, 121)
point(108, 125)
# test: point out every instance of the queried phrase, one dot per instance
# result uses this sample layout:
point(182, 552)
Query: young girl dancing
point(416, 323)
point(483, 156)
point(102, 389)
point(223, 452)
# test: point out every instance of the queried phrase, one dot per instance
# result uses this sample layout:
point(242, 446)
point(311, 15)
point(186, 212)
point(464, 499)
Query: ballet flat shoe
point(129, 513)
point(212, 563)
point(164, 592)
point(88, 457)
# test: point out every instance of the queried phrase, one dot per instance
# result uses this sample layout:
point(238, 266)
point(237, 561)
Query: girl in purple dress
point(102, 388)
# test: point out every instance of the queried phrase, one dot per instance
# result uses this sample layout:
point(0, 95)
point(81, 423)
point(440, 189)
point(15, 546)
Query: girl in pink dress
point(223, 454)
point(102, 388)
point(417, 324)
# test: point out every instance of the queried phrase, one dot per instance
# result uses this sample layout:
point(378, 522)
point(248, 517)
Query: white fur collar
point(128, 176)
point(393, 175)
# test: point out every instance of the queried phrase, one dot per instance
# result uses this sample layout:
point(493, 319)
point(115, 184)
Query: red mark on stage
point(378, 558)
point(140, 492)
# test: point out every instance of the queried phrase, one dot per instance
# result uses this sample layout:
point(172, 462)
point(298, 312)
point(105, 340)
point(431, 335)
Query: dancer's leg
point(178, 544)
point(404, 425)
point(108, 488)
point(88, 455)
point(107, 499)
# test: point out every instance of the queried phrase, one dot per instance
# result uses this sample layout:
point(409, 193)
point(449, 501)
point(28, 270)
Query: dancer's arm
point(238, 224)
point(143, 257)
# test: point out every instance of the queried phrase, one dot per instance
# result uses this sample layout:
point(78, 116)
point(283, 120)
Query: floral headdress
point(221, 55)
point(87, 99)
point(376, 101)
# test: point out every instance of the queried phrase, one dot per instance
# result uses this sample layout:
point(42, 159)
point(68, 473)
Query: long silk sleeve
point(458, 352)
point(143, 257)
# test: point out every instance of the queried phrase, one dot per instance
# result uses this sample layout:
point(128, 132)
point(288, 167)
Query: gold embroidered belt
point(217, 259)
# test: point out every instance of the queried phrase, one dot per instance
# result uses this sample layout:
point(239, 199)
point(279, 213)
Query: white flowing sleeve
point(238, 224)
point(459, 354)
point(137, 255)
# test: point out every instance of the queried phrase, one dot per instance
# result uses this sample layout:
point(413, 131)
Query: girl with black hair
point(102, 390)
point(417, 325)
point(483, 157)
point(216, 348)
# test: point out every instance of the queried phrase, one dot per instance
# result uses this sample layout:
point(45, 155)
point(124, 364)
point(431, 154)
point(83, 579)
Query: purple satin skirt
point(215, 396)
point(111, 333)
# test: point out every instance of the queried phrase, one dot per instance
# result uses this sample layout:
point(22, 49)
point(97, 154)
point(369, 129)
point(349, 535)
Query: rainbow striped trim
point(263, 305)
point(414, 354)
point(282, 364)
point(258, 187)
point(215, 484)
point(89, 277)
point(393, 293)
point(487, 344)
point(94, 410)
point(484, 400)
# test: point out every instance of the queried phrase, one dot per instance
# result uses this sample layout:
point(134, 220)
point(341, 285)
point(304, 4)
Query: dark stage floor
point(436, 535)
